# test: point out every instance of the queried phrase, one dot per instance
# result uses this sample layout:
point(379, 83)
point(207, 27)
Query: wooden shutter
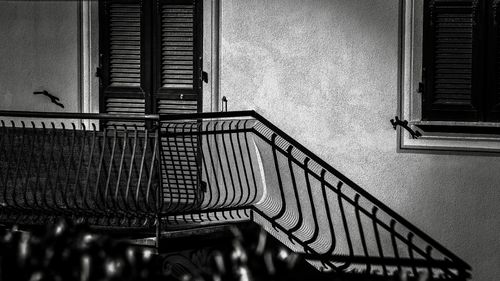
point(452, 71)
point(493, 63)
point(151, 63)
point(178, 90)
point(124, 88)
point(179, 45)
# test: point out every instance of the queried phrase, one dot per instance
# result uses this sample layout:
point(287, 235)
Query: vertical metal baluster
point(174, 168)
point(131, 168)
point(117, 192)
point(188, 206)
point(223, 204)
point(251, 166)
point(214, 171)
point(9, 166)
point(175, 188)
point(182, 191)
point(99, 169)
point(151, 171)
point(228, 168)
point(377, 239)
point(87, 206)
point(78, 169)
point(20, 149)
point(31, 158)
point(204, 139)
point(68, 170)
point(147, 168)
point(196, 179)
point(160, 201)
point(236, 164)
point(38, 169)
point(3, 159)
point(163, 171)
point(244, 168)
point(48, 167)
point(60, 146)
point(143, 158)
point(110, 168)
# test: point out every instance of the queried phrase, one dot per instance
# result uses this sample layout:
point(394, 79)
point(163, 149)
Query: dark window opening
point(461, 61)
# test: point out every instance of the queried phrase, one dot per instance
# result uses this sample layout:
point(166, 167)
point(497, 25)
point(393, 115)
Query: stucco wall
point(326, 72)
point(39, 51)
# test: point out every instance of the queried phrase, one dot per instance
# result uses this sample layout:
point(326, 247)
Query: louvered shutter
point(493, 64)
point(124, 88)
point(179, 44)
point(178, 90)
point(452, 60)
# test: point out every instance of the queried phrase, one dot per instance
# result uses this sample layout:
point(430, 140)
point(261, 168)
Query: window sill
point(473, 138)
point(470, 129)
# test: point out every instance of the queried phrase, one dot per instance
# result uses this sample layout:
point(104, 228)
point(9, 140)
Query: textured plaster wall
point(39, 51)
point(326, 72)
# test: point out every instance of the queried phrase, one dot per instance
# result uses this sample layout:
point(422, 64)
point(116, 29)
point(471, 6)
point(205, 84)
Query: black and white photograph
point(249, 140)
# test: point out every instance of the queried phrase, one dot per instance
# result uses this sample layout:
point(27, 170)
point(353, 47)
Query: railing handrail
point(77, 115)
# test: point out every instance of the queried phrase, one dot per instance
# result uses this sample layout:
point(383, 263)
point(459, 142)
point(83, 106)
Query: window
point(150, 56)
point(449, 76)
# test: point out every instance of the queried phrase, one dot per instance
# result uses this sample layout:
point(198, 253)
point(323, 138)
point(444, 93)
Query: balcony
point(146, 176)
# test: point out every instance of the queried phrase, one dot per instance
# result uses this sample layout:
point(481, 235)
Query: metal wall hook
point(403, 123)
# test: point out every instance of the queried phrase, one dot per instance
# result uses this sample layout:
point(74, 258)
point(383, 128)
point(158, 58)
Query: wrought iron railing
point(208, 168)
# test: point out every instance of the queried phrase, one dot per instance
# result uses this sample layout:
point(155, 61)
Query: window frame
point(438, 136)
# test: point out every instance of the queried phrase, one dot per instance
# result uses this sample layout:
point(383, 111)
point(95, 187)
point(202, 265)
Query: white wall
point(326, 72)
point(39, 51)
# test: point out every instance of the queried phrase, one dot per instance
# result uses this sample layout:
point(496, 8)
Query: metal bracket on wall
point(55, 100)
point(224, 104)
point(404, 124)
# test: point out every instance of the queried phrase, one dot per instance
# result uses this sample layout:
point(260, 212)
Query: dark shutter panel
point(452, 60)
point(178, 90)
point(493, 64)
point(179, 38)
point(122, 87)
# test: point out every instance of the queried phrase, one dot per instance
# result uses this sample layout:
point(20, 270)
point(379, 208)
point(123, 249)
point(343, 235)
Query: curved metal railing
point(105, 176)
point(209, 168)
point(246, 161)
